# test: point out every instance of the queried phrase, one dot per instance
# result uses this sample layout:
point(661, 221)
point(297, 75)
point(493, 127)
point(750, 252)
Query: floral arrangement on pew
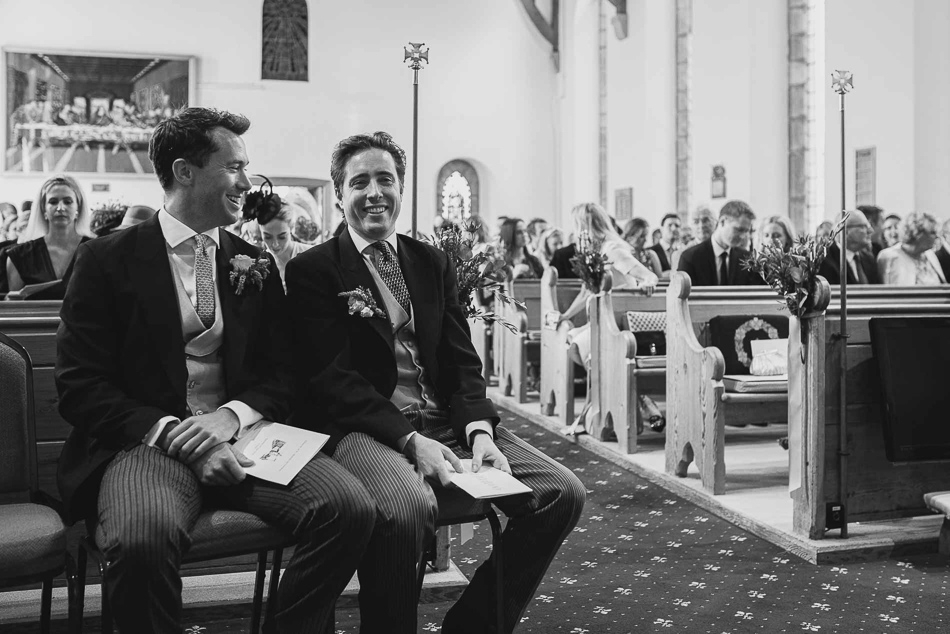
point(792, 274)
point(478, 268)
point(589, 262)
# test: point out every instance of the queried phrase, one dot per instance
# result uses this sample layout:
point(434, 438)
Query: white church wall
point(486, 95)
point(931, 107)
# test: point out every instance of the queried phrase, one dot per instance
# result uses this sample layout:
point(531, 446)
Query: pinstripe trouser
point(149, 502)
point(406, 512)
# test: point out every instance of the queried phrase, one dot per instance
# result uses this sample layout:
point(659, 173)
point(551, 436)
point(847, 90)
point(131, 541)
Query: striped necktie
point(204, 282)
point(389, 270)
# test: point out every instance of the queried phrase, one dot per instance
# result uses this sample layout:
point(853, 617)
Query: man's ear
point(183, 171)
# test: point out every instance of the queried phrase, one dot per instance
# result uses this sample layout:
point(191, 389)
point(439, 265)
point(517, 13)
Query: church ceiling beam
point(548, 30)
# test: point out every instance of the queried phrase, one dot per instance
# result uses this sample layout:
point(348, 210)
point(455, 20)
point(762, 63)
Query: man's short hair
point(736, 209)
point(667, 217)
point(188, 135)
point(873, 213)
point(357, 143)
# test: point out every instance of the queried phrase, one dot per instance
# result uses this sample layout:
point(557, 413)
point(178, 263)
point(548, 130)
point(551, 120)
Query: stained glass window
point(457, 191)
point(285, 40)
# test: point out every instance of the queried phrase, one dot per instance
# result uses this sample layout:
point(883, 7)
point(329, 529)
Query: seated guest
point(59, 222)
point(875, 216)
point(669, 241)
point(778, 230)
point(861, 266)
point(8, 213)
point(943, 253)
point(536, 226)
point(717, 261)
point(703, 222)
point(561, 260)
point(159, 367)
point(278, 238)
point(403, 393)
point(891, 231)
point(824, 229)
point(135, 215)
point(518, 260)
point(635, 234)
point(913, 262)
point(551, 240)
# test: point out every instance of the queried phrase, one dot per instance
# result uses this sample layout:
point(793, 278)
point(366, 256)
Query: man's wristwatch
point(471, 437)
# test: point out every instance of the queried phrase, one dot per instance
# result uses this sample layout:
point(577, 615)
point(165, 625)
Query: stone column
point(684, 36)
point(805, 132)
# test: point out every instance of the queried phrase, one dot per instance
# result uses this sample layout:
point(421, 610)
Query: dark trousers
point(406, 511)
point(148, 504)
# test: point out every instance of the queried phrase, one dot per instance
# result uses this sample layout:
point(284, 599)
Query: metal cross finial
point(842, 81)
point(415, 55)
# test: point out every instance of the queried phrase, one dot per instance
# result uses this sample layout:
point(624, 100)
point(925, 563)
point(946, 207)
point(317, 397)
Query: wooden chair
point(457, 507)
point(217, 534)
point(32, 533)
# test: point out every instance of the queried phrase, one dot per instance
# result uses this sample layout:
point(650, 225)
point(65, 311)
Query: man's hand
point(430, 456)
point(196, 435)
point(221, 466)
point(484, 449)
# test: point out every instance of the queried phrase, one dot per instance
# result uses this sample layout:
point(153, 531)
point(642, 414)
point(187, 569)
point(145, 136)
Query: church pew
point(876, 489)
point(557, 368)
point(523, 347)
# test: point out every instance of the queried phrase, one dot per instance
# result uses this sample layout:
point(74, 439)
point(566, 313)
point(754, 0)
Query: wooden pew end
point(939, 502)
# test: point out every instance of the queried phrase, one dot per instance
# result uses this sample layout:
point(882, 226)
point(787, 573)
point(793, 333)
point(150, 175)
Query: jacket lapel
point(232, 308)
point(356, 274)
point(422, 296)
point(150, 269)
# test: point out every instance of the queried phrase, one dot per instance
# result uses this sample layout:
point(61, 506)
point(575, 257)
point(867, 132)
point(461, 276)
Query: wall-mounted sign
point(623, 203)
point(100, 187)
point(718, 185)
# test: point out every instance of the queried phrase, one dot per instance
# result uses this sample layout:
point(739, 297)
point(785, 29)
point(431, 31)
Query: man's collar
point(718, 249)
point(176, 232)
point(361, 243)
point(667, 246)
point(849, 255)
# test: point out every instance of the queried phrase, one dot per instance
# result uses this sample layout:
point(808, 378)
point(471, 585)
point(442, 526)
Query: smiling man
point(400, 392)
point(160, 365)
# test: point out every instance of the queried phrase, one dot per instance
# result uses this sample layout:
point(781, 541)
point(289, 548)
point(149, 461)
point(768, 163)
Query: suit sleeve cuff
point(246, 415)
point(478, 425)
point(152, 436)
point(404, 440)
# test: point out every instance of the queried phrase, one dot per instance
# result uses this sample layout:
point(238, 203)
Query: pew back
point(557, 368)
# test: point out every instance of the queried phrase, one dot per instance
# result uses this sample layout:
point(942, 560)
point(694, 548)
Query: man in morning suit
point(160, 364)
point(669, 242)
point(717, 261)
point(400, 392)
point(862, 268)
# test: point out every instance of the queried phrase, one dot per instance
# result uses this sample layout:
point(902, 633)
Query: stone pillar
point(684, 34)
point(602, 78)
point(805, 132)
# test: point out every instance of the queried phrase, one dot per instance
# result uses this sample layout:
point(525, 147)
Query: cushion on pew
point(650, 329)
point(733, 335)
point(938, 501)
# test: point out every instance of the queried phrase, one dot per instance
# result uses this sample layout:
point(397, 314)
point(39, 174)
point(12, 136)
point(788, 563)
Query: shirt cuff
point(246, 415)
point(152, 436)
point(479, 425)
point(402, 442)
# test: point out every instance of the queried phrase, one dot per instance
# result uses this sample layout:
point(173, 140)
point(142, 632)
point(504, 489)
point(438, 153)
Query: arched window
point(457, 191)
point(285, 49)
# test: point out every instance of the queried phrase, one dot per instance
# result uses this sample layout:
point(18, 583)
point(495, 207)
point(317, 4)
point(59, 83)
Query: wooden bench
point(874, 487)
point(521, 348)
point(557, 368)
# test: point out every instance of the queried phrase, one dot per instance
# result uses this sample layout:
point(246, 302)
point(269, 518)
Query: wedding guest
point(669, 241)
point(824, 229)
point(278, 237)
point(518, 260)
point(703, 222)
point(913, 262)
point(861, 266)
point(551, 240)
point(875, 216)
point(635, 234)
point(655, 237)
point(717, 260)
point(778, 230)
point(48, 246)
point(159, 367)
point(7, 231)
point(403, 393)
point(536, 226)
point(892, 230)
point(943, 253)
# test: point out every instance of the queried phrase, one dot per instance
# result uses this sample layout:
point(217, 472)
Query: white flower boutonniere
point(361, 302)
point(245, 270)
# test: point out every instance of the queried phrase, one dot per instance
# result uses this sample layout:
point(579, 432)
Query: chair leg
point(258, 591)
point(79, 590)
point(46, 605)
point(499, 571)
point(271, 607)
point(106, 615)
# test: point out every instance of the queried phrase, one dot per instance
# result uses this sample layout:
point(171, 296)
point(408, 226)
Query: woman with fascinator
point(275, 219)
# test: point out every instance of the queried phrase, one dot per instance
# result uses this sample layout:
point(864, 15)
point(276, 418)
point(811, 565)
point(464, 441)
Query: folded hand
point(430, 457)
point(196, 435)
point(222, 465)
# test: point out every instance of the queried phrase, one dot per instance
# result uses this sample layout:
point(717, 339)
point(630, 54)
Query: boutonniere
point(361, 302)
point(245, 269)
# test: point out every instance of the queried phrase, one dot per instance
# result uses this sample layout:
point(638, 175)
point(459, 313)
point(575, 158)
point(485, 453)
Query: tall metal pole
point(415, 56)
point(842, 82)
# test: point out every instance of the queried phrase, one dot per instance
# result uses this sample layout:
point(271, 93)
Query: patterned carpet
point(643, 560)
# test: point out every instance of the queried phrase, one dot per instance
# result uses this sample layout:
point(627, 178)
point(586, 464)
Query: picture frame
point(86, 112)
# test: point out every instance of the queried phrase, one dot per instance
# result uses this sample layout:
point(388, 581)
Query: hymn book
point(279, 451)
point(488, 483)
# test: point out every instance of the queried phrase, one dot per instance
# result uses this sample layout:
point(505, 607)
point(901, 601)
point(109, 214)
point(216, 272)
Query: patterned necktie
point(389, 270)
point(204, 282)
point(724, 268)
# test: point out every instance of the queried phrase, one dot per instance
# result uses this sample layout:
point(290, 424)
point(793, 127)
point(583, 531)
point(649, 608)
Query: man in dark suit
point(386, 363)
point(718, 260)
point(669, 241)
point(862, 267)
point(160, 364)
point(875, 216)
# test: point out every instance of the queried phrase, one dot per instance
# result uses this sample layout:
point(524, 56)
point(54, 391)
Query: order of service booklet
point(488, 483)
point(279, 451)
